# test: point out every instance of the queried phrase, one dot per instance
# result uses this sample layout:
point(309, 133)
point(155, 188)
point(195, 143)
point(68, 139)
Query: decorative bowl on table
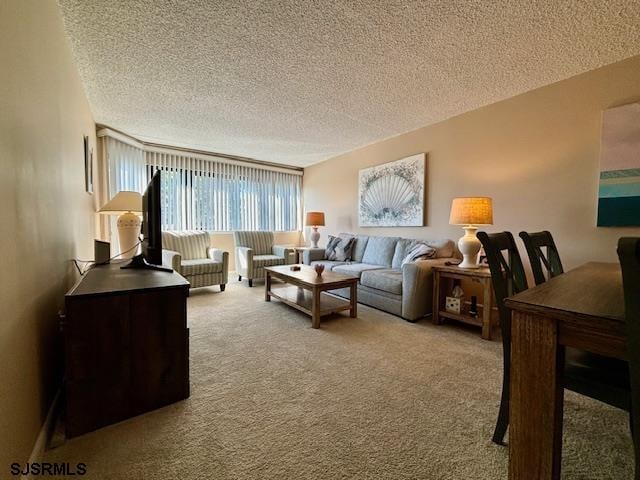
point(319, 268)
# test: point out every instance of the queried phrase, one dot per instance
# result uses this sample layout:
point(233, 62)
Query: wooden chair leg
point(222, 287)
point(251, 282)
point(503, 415)
point(239, 278)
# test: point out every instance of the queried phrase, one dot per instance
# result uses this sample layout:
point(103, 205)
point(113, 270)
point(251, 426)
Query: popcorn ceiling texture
point(297, 82)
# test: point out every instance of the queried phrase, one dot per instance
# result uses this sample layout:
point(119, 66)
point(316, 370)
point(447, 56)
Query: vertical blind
point(205, 193)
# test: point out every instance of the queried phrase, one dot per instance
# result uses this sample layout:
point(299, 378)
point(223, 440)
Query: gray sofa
point(386, 284)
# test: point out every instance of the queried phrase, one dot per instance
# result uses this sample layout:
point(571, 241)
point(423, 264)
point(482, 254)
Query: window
point(209, 193)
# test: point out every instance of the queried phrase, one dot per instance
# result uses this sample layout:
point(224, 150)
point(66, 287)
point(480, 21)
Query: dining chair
point(602, 378)
point(508, 278)
point(629, 255)
point(544, 266)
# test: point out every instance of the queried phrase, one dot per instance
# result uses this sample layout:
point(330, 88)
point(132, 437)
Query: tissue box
point(453, 304)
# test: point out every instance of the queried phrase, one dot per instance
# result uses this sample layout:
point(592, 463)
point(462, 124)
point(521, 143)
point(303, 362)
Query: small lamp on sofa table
point(314, 220)
point(128, 205)
point(469, 212)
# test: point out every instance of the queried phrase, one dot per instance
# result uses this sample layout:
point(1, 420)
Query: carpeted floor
point(373, 397)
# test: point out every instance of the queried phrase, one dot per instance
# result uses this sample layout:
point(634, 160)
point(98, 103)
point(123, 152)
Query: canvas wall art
point(392, 194)
point(619, 191)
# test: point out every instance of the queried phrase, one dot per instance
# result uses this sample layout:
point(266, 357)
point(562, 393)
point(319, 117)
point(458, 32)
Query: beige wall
point(46, 216)
point(536, 154)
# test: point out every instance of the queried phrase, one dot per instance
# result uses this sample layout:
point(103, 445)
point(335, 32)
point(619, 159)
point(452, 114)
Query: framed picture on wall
point(392, 194)
point(619, 190)
point(88, 166)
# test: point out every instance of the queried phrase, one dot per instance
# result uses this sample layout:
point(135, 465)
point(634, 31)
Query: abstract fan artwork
point(392, 194)
point(619, 192)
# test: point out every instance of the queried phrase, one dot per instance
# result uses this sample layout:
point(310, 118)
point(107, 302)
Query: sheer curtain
point(203, 192)
point(126, 167)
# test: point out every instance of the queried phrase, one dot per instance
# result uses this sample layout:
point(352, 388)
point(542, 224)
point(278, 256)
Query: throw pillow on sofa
point(339, 249)
point(420, 250)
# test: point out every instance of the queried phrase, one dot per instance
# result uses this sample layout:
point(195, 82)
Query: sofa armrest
point(312, 254)
point(417, 287)
point(244, 260)
point(172, 259)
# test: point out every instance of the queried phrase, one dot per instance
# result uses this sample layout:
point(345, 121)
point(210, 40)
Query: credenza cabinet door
point(97, 362)
point(125, 354)
point(160, 361)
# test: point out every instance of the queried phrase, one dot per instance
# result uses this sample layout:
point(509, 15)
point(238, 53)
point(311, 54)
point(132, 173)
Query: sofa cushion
point(443, 249)
point(380, 250)
point(388, 280)
point(402, 247)
point(328, 264)
point(339, 248)
point(355, 269)
point(359, 247)
point(200, 266)
point(267, 260)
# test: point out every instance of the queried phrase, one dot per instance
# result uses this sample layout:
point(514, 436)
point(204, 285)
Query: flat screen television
point(151, 256)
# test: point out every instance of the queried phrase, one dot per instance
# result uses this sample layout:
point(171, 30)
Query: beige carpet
point(373, 397)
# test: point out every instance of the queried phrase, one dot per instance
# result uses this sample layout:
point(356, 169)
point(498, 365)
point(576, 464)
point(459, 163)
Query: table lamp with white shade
point(314, 220)
point(469, 212)
point(128, 205)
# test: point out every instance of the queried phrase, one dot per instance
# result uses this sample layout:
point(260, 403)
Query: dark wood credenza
point(126, 345)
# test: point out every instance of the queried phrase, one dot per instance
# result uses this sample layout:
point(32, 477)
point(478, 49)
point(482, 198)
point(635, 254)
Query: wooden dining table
point(582, 308)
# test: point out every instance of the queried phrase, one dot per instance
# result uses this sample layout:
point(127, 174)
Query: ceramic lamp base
point(128, 233)
point(469, 246)
point(315, 237)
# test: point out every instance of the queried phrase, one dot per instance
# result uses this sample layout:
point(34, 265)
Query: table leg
point(535, 423)
point(315, 308)
point(267, 286)
point(435, 317)
point(353, 299)
point(486, 309)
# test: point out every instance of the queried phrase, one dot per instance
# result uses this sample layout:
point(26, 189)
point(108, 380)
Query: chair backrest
point(260, 242)
point(507, 275)
point(629, 255)
point(544, 265)
point(191, 245)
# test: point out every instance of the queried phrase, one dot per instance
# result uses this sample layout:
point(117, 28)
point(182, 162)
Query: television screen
point(151, 222)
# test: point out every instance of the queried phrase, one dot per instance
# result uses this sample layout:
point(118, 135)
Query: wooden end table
point(305, 290)
point(443, 276)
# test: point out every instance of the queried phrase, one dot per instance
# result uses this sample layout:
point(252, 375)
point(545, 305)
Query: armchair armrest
point(220, 256)
point(311, 254)
point(417, 287)
point(172, 259)
point(216, 254)
point(283, 251)
point(244, 260)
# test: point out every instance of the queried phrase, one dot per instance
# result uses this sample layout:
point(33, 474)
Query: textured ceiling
point(299, 81)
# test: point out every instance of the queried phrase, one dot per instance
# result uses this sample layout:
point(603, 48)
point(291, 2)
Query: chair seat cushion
point(200, 266)
point(387, 280)
point(328, 264)
point(267, 260)
point(356, 269)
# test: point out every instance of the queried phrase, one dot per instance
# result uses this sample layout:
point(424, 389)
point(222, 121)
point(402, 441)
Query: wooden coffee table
point(304, 290)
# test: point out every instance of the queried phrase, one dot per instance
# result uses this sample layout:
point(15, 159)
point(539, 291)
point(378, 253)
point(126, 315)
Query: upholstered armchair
point(189, 254)
point(254, 251)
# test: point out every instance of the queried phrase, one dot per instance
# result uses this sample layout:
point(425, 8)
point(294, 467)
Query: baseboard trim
point(45, 433)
